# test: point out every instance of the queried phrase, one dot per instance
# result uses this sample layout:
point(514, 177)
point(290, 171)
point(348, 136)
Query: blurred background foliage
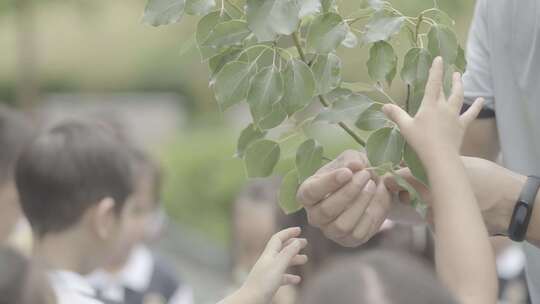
point(101, 46)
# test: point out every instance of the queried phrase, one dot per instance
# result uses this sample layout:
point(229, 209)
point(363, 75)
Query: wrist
point(499, 217)
point(251, 294)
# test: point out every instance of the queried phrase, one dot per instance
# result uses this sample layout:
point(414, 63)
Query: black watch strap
point(523, 209)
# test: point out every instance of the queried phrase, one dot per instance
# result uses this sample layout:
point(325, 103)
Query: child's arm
point(269, 274)
point(464, 257)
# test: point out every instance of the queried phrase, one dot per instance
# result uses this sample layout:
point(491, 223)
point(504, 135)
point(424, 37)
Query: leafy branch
point(249, 64)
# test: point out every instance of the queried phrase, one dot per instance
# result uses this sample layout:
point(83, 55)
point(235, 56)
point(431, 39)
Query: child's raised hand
point(269, 273)
point(437, 126)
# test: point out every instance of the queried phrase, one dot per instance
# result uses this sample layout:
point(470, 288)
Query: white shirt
point(503, 54)
point(72, 288)
point(136, 275)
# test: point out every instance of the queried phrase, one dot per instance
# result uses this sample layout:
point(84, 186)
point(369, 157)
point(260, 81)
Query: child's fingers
point(276, 242)
point(299, 259)
point(397, 115)
point(290, 279)
point(456, 98)
point(286, 255)
point(472, 112)
point(435, 81)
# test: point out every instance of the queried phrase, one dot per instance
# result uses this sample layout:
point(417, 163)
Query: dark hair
point(15, 133)
point(21, 282)
point(379, 275)
point(142, 165)
point(67, 170)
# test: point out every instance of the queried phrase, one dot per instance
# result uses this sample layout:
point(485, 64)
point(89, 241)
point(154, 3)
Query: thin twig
point(236, 7)
point(322, 99)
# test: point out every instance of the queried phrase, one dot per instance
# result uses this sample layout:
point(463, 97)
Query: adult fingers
point(317, 187)
point(434, 84)
point(352, 159)
point(347, 221)
point(277, 240)
point(379, 208)
point(456, 98)
point(473, 111)
point(392, 185)
point(331, 207)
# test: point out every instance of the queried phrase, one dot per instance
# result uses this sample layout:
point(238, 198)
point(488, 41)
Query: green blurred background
point(100, 46)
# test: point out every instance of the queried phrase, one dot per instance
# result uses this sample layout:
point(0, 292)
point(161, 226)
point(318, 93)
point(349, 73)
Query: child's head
point(143, 214)
point(253, 221)
point(74, 180)
point(378, 277)
point(15, 132)
point(21, 281)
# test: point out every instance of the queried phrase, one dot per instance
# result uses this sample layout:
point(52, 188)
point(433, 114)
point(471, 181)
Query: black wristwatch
point(523, 209)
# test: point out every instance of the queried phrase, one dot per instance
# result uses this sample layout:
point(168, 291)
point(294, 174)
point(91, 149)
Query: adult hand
point(344, 201)
point(496, 189)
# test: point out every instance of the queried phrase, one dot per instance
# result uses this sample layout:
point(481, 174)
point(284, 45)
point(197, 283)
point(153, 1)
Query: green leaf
point(416, 66)
point(461, 62)
point(232, 83)
point(382, 62)
point(415, 100)
point(327, 72)
point(227, 33)
point(287, 193)
point(371, 119)
point(441, 17)
point(247, 136)
point(345, 109)
point(268, 18)
point(204, 28)
point(309, 159)
point(382, 169)
point(265, 91)
point(415, 165)
point(358, 87)
point(299, 86)
point(274, 118)
point(337, 93)
point(326, 32)
point(217, 62)
point(443, 42)
point(261, 157)
point(351, 41)
point(381, 27)
point(199, 7)
point(163, 12)
point(309, 7)
point(385, 146)
point(329, 6)
point(416, 200)
point(377, 5)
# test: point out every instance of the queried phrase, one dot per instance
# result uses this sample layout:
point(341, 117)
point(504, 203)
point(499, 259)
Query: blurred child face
point(254, 225)
point(138, 215)
point(10, 211)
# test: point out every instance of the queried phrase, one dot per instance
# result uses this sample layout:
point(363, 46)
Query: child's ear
point(104, 219)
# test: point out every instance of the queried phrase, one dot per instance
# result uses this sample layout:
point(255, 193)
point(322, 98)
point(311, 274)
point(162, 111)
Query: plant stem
point(407, 101)
point(323, 100)
point(238, 9)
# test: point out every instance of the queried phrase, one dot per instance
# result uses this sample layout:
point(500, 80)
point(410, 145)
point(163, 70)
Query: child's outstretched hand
point(437, 126)
point(269, 273)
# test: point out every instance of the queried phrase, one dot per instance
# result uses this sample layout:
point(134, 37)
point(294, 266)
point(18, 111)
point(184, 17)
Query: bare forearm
point(465, 259)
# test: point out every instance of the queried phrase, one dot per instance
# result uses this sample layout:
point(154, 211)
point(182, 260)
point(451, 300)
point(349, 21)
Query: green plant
point(280, 55)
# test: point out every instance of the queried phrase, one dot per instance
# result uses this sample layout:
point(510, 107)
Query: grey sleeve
point(477, 80)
